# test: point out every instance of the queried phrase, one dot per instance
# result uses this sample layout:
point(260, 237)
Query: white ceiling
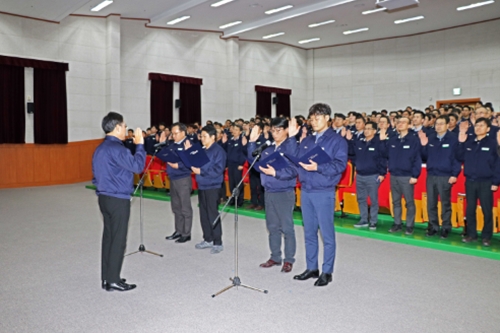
point(438, 14)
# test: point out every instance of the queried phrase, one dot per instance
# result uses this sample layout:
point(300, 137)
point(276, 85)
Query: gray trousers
point(438, 185)
point(279, 221)
point(180, 196)
point(367, 186)
point(400, 186)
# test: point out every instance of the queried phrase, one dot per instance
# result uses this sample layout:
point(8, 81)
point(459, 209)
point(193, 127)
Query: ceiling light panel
point(314, 25)
point(305, 41)
point(230, 24)
point(276, 10)
point(416, 18)
point(367, 12)
point(101, 5)
point(475, 5)
point(273, 35)
point(350, 32)
point(220, 3)
point(177, 20)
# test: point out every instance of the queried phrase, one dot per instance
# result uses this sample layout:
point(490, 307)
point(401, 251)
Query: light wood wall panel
point(25, 165)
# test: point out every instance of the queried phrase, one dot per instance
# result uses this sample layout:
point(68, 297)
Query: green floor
point(345, 225)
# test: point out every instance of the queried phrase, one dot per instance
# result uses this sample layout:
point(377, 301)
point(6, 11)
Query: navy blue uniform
point(130, 145)
point(113, 167)
point(482, 170)
point(236, 156)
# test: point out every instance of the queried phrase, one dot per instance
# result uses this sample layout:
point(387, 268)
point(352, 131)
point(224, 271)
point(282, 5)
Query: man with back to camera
point(113, 167)
point(279, 194)
point(180, 186)
point(318, 183)
point(209, 177)
point(443, 168)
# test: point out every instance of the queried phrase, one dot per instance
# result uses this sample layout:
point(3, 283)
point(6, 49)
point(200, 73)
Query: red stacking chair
point(383, 192)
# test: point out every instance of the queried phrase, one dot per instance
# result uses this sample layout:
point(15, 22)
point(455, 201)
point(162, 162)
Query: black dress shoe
point(431, 232)
point(173, 236)
point(120, 286)
point(444, 233)
point(103, 283)
point(323, 280)
point(307, 274)
point(183, 239)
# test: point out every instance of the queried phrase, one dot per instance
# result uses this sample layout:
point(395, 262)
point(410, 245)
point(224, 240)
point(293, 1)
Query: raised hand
point(498, 138)
point(424, 140)
point(383, 134)
point(138, 138)
point(224, 138)
point(348, 135)
point(293, 128)
point(255, 133)
point(464, 126)
point(343, 132)
point(187, 144)
point(244, 140)
point(472, 118)
point(163, 136)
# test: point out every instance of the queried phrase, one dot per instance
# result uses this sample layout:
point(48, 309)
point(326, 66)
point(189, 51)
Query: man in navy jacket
point(113, 167)
point(236, 157)
point(442, 171)
point(279, 194)
point(482, 176)
point(405, 164)
point(371, 167)
point(209, 178)
point(318, 183)
point(180, 185)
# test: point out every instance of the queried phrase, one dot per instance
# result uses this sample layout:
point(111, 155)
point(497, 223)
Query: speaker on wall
point(31, 107)
point(178, 103)
point(275, 100)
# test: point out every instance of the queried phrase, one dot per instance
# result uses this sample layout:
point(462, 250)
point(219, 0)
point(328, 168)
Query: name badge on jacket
point(371, 149)
point(446, 145)
point(485, 149)
point(406, 147)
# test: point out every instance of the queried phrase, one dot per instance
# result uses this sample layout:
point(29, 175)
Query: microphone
point(259, 150)
point(161, 144)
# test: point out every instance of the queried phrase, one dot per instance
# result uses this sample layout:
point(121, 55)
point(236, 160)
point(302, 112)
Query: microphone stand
point(236, 282)
point(140, 185)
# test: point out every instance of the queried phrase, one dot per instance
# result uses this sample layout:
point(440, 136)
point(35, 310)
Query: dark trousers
point(222, 191)
point(439, 185)
point(279, 222)
point(115, 213)
point(180, 196)
point(256, 189)
point(367, 186)
point(400, 186)
point(235, 177)
point(209, 204)
point(473, 192)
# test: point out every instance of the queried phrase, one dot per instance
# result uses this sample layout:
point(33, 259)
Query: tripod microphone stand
point(140, 185)
point(236, 281)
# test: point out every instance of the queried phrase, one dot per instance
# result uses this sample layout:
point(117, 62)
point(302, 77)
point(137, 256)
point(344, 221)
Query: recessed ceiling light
point(416, 18)
point(101, 5)
point(273, 35)
point(474, 5)
point(305, 41)
point(177, 20)
point(220, 3)
point(350, 32)
point(272, 11)
point(314, 25)
point(230, 24)
point(366, 12)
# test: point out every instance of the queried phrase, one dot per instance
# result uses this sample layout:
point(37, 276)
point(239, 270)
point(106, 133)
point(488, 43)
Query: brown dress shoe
point(252, 206)
point(287, 267)
point(468, 239)
point(259, 208)
point(270, 263)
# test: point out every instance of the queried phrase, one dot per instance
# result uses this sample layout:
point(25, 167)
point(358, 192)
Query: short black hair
point(484, 120)
point(210, 130)
point(161, 123)
point(110, 121)
point(384, 112)
point(320, 108)
point(374, 124)
point(130, 130)
point(339, 115)
point(430, 116)
point(279, 122)
point(420, 113)
point(359, 116)
point(454, 115)
point(182, 127)
point(300, 122)
point(445, 117)
point(238, 126)
point(386, 118)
